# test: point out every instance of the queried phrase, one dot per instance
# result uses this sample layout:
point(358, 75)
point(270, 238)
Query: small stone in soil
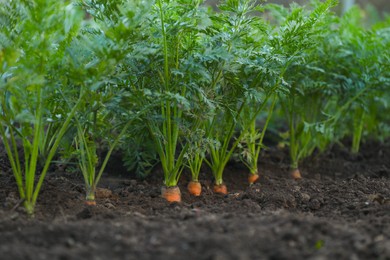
point(305, 197)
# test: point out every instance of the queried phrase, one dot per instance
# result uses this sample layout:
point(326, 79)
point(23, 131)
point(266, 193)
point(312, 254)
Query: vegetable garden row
point(183, 85)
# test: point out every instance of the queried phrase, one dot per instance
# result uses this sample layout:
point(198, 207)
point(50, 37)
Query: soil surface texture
point(340, 209)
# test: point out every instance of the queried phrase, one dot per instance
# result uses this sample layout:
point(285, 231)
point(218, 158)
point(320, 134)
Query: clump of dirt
point(340, 210)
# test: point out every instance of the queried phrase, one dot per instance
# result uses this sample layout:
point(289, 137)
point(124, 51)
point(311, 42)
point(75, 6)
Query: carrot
point(296, 174)
point(220, 189)
point(90, 197)
point(194, 188)
point(252, 178)
point(171, 194)
point(90, 202)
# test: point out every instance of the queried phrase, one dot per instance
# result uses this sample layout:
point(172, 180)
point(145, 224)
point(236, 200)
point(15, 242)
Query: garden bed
point(339, 210)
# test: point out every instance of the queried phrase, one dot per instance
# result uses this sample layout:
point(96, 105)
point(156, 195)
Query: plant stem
point(90, 193)
point(357, 130)
point(254, 168)
point(53, 149)
point(293, 141)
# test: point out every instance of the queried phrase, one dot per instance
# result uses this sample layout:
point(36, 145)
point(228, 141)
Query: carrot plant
point(34, 40)
point(252, 140)
point(295, 40)
point(330, 93)
point(361, 74)
point(98, 129)
point(86, 151)
point(105, 117)
point(166, 134)
point(378, 108)
point(196, 153)
point(353, 73)
point(262, 78)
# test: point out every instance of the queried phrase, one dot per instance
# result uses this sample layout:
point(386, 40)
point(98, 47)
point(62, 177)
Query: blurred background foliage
point(373, 10)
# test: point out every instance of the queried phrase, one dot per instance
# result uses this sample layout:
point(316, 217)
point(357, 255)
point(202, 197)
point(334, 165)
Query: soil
point(339, 210)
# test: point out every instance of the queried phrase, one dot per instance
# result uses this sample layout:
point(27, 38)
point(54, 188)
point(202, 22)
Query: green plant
point(196, 153)
point(296, 41)
point(252, 142)
point(34, 39)
point(86, 152)
point(105, 117)
point(362, 74)
point(356, 75)
point(376, 123)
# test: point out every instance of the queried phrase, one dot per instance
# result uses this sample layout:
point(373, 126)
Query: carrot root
point(194, 188)
point(220, 189)
point(252, 178)
point(171, 194)
point(296, 174)
point(90, 198)
point(90, 202)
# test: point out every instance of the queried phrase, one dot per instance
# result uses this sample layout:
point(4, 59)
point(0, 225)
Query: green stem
point(14, 161)
point(293, 140)
point(90, 193)
point(29, 206)
point(53, 149)
point(254, 169)
point(195, 165)
point(170, 111)
point(358, 130)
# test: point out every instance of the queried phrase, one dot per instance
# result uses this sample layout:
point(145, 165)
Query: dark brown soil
point(339, 210)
